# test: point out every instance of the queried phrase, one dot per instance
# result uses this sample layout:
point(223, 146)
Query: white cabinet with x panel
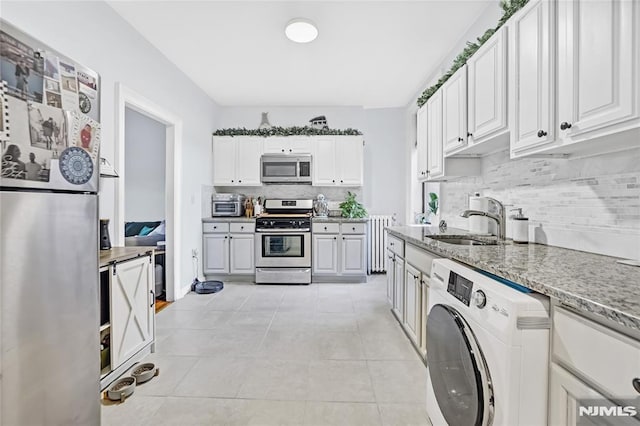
point(127, 305)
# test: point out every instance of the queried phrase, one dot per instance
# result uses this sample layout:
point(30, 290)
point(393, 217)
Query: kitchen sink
point(463, 241)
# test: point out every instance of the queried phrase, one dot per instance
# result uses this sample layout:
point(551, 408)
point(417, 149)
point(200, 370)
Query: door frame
point(127, 98)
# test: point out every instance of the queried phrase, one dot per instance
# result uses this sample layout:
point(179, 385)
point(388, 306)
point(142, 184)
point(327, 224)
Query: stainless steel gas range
point(283, 242)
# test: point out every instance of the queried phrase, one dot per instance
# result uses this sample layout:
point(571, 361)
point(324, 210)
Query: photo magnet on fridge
point(21, 68)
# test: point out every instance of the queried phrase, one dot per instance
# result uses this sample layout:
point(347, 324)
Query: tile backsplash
point(584, 196)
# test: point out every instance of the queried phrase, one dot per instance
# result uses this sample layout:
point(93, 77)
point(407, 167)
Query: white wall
point(93, 34)
point(145, 146)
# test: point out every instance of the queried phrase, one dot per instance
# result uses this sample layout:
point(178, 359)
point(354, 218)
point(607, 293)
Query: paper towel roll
point(479, 224)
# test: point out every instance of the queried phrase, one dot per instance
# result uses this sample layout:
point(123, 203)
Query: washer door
point(457, 369)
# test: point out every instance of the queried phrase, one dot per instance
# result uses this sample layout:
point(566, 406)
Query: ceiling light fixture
point(301, 30)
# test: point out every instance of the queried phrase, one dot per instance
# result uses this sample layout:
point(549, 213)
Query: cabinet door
point(424, 305)
point(487, 77)
point(325, 254)
point(132, 309)
point(276, 145)
point(352, 255)
point(241, 254)
point(390, 276)
point(421, 138)
point(412, 303)
point(567, 392)
point(324, 160)
point(248, 153)
point(531, 71)
point(299, 145)
point(348, 157)
point(454, 111)
point(398, 287)
point(435, 156)
point(215, 254)
point(596, 56)
point(224, 161)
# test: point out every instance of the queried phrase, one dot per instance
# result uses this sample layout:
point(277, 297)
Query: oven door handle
point(283, 231)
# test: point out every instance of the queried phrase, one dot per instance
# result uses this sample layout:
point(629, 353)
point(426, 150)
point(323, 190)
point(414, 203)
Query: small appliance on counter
point(227, 205)
point(520, 227)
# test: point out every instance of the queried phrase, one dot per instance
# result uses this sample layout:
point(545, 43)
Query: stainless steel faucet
point(499, 218)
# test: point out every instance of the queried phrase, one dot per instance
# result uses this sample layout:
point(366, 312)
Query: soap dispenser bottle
point(520, 227)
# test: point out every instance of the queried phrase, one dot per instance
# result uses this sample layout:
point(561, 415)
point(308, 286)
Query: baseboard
point(339, 279)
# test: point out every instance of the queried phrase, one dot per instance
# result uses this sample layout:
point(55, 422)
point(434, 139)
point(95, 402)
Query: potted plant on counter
point(351, 208)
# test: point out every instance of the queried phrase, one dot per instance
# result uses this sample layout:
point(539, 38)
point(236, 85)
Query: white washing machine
point(487, 350)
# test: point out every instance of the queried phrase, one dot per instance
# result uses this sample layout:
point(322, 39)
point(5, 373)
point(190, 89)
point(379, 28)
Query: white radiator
point(378, 241)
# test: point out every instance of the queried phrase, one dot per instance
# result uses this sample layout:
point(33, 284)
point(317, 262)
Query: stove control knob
point(480, 299)
point(300, 222)
point(272, 223)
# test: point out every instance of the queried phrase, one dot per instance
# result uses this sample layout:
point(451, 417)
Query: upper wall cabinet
point(236, 160)
point(287, 145)
point(337, 160)
point(421, 141)
point(454, 111)
point(531, 83)
point(435, 155)
point(487, 95)
point(597, 53)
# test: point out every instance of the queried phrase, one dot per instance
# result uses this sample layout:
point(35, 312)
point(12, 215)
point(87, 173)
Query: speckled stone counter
point(228, 219)
point(340, 220)
point(586, 281)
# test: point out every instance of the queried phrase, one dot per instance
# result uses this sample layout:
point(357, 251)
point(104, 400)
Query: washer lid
point(457, 369)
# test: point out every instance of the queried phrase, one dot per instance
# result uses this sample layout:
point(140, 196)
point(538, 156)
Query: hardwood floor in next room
point(323, 354)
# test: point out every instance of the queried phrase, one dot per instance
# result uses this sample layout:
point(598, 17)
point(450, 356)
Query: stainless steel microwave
point(278, 168)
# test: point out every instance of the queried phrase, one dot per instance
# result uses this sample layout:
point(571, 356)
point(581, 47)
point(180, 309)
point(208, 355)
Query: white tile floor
point(323, 354)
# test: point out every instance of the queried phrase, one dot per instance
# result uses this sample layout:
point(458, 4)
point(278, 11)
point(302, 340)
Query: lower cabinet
point(413, 303)
point(390, 259)
point(127, 314)
point(398, 285)
point(228, 248)
point(339, 251)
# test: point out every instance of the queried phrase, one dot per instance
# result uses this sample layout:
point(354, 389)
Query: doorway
point(128, 100)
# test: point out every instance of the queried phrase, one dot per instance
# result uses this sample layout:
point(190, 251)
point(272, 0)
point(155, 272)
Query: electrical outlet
point(194, 252)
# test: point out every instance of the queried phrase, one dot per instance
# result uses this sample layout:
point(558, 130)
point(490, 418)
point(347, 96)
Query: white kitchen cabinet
point(228, 247)
point(353, 255)
point(422, 140)
point(287, 145)
point(132, 308)
point(216, 253)
point(398, 297)
point(487, 93)
point(389, 267)
point(236, 160)
point(435, 155)
point(454, 112)
point(412, 303)
point(597, 53)
point(241, 253)
point(325, 254)
point(338, 160)
point(531, 77)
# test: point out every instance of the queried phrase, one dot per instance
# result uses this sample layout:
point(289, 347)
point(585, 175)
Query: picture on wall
point(22, 68)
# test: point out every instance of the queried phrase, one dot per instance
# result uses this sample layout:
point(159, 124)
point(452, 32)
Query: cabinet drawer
point(603, 356)
point(215, 227)
point(326, 228)
point(241, 227)
point(419, 258)
point(396, 245)
point(354, 228)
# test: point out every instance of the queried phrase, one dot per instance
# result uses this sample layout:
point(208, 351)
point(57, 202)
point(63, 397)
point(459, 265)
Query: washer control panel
point(460, 287)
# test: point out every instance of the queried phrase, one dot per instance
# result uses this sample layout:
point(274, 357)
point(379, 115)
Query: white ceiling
point(370, 53)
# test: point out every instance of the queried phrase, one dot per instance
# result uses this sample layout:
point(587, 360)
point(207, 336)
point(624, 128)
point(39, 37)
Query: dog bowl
point(121, 389)
point(145, 372)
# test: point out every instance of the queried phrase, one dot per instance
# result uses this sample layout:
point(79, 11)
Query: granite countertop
point(120, 254)
point(339, 219)
point(589, 282)
point(228, 219)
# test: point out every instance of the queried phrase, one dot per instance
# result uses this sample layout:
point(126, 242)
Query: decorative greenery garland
point(509, 7)
point(287, 131)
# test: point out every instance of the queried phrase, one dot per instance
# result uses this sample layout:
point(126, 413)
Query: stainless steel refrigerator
point(49, 315)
